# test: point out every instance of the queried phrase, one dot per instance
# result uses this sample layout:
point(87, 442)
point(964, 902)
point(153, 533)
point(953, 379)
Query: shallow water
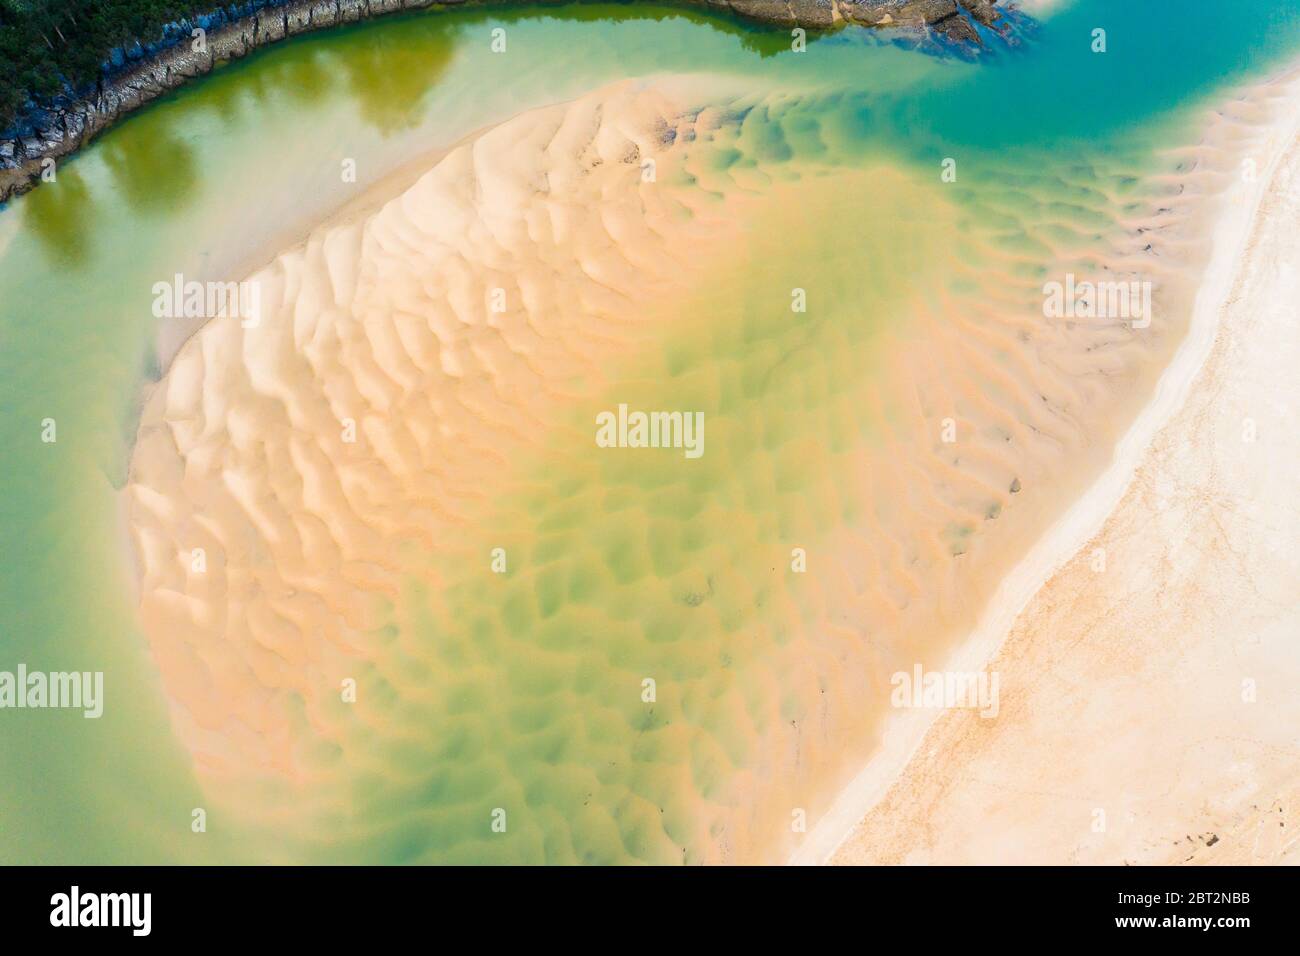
point(632, 565)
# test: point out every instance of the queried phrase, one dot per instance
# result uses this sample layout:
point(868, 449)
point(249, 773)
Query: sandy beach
point(1147, 644)
point(314, 495)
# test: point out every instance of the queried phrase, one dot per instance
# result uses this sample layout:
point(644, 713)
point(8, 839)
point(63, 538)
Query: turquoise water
point(230, 169)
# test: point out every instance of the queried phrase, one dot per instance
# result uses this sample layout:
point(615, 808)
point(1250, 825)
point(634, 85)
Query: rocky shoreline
point(63, 130)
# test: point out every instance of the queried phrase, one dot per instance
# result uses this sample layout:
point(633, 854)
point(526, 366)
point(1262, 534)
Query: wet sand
point(1146, 714)
point(420, 391)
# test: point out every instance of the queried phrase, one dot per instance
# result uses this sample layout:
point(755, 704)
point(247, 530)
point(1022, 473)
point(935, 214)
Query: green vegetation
point(53, 47)
point(45, 43)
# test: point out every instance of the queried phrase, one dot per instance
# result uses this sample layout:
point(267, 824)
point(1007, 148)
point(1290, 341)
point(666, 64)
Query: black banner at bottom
point(341, 905)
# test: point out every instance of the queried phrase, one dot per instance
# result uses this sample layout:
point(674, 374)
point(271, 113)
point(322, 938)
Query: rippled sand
point(328, 560)
point(1148, 707)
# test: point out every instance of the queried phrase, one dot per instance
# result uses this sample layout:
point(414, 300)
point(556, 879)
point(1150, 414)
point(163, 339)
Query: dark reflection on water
point(291, 69)
point(389, 76)
point(153, 170)
point(754, 37)
point(386, 67)
point(59, 214)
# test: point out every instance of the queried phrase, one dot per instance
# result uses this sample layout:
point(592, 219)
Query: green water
point(254, 151)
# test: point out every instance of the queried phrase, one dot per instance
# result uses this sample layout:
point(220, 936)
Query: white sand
point(1122, 693)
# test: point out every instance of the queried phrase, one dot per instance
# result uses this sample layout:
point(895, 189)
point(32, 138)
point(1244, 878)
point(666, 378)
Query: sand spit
point(541, 215)
point(289, 478)
point(1148, 712)
point(316, 499)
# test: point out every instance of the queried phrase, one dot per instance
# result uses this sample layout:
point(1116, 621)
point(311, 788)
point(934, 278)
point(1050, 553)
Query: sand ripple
point(348, 467)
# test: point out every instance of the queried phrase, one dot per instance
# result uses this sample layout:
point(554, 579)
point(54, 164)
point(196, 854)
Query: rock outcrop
point(49, 133)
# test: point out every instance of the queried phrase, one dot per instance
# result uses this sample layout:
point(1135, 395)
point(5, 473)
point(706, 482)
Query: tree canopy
point(46, 45)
